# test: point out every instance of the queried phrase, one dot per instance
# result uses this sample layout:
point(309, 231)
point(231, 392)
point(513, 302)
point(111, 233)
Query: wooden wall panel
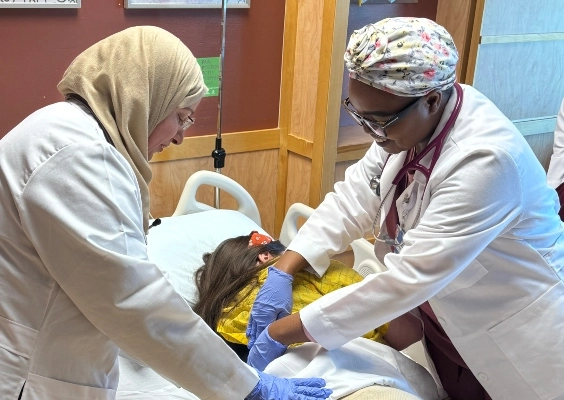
point(306, 67)
point(255, 171)
point(340, 169)
point(239, 142)
point(474, 42)
point(286, 106)
point(457, 16)
point(168, 181)
point(330, 82)
point(299, 178)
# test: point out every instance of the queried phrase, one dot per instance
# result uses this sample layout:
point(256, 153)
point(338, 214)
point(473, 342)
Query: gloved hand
point(273, 388)
point(274, 301)
point(264, 351)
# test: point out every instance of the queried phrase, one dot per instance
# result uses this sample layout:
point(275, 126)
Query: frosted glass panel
point(524, 80)
point(512, 17)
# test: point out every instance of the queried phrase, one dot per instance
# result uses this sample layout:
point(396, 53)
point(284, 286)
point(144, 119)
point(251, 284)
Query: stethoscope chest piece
point(375, 184)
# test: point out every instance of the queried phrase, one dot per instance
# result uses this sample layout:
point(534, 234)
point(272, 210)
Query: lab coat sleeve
point(81, 209)
point(343, 216)
point(467, 210)
point(555, 175)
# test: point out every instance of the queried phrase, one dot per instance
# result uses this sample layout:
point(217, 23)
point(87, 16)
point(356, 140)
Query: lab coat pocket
point(42, 388)
point(533, 342)
point(17, 338)
point(468, 277)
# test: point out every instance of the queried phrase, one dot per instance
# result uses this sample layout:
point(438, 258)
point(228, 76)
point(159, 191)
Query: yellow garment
point(306, 288)
point(133, 80)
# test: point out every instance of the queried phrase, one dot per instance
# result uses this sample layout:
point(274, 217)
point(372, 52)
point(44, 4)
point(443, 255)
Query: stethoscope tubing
point(437, 144)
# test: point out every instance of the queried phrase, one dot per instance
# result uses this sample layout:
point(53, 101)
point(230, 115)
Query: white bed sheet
point(178, 243)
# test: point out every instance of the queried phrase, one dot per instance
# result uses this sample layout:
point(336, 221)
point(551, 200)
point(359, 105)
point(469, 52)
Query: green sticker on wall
point(210, 70)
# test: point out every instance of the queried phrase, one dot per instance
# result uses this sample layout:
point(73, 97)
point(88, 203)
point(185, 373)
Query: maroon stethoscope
point(414, 165)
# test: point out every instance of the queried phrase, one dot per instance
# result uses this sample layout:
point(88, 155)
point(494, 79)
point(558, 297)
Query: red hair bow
point(258, 240)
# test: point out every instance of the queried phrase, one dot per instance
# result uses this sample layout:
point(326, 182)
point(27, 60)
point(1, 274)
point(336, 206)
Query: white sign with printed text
point(40, 3)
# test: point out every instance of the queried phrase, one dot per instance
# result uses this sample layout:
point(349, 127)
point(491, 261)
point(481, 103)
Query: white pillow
point(178, 243)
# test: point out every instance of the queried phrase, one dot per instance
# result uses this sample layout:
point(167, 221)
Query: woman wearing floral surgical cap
point(462, 218)
point(75, 279)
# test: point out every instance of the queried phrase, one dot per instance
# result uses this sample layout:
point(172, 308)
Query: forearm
point(291, 262)
point(344, 215)
point(288, 330)
point(404, 331)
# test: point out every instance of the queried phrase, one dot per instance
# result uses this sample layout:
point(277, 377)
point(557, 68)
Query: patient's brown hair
point(231, 268)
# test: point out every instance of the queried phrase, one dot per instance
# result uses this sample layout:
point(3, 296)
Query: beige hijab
point(133, 80)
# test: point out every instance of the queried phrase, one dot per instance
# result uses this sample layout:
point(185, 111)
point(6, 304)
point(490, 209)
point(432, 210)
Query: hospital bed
point(177, 244)
point(204, 232)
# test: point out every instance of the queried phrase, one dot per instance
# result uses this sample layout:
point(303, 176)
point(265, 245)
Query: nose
point(375, 135)
point(367, 129)
point(179, 137)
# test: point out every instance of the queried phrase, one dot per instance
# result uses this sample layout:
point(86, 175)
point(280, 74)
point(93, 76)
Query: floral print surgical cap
point(403, 56)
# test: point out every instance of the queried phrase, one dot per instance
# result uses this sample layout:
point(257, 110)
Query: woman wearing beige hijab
point(75, 279)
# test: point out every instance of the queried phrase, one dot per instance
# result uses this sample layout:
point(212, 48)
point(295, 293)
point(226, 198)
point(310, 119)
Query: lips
point(378, 139)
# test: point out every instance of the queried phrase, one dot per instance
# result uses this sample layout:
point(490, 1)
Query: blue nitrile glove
point(264, 351)
point(273, 388)
point(274, 301)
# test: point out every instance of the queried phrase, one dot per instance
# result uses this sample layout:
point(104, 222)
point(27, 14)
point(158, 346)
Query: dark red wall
point(37, 45)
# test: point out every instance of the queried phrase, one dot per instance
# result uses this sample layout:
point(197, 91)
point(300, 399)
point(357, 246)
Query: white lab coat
point(487, 253)
point(75, 279)
point(356, 365)
point(555, 174)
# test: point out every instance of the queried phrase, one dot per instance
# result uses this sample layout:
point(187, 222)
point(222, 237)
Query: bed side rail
point(189, 205)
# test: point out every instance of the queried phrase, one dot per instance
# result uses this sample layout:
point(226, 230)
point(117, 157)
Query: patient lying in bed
point(232, 275)
point(363, 367)
point(228, 284)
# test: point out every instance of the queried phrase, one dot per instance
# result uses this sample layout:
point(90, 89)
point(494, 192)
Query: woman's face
point(171, 129)
point(413, 128)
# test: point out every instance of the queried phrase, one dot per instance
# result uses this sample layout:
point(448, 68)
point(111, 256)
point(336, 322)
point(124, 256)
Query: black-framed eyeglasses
point(187, 123)
point(378, 128)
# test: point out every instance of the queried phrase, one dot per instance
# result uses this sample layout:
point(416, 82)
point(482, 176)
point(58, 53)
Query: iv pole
point(219, 153)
